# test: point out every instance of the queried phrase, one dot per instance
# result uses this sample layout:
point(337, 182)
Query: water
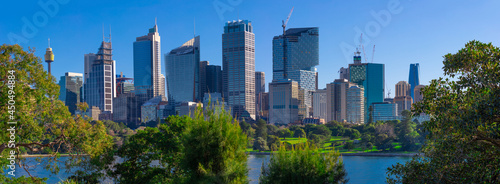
point(360, 169)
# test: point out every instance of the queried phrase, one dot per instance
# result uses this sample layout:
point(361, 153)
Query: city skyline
point(404, 40)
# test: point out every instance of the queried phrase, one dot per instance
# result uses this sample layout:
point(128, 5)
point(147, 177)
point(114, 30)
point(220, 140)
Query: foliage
point(261, 129)
point(260, 144)
point(214, 149)
point(44, 123)
point(303, 165)
point(463, 144)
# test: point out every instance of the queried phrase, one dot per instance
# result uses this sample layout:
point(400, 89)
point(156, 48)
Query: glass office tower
point(100, 82)
point(214, 79)
point(147, 65)
point(238, 59)
point(372, 77)
point(295, 56)
point(414, 78)
point(71, 86)
point(182, 65)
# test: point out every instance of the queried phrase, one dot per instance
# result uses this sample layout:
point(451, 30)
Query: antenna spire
point(155, 21)
point(102, 31)
point(49, 42)
point(110, 33)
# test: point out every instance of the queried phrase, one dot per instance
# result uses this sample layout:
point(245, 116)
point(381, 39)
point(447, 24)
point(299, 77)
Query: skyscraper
point(417, 92)
point(319, 104)
point(402, 89)
point(355, 105)
point(100, 82)
point(182, 66)
point(214, 79)
point(147, 65)
point(283, 99)
point(238, 59)
point(336, 100)
point(414, 78)
point(371, 76)
point(260, 87)
point(403, 98)
point(70, 91)
point(203, 79)
point(295, 56)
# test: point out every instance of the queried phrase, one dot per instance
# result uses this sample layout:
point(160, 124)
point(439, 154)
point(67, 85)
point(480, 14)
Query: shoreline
point(357, 154)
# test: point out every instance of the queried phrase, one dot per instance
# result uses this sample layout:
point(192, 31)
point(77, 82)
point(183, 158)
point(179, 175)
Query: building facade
point(370, 76)
point(100, 82)
point(147, 65)
point(71, 90)
point(214, 79)
point(320, 104)
point(125, 110)
point(414, 77)
point(260, 87)
point(417, 92)
point(404, 103)
point(283, 99)
point(238, 59)
point(384, 111)
point(295, 56)
point(203, 78)
point(336, 100)
point(402, 89)
point(355, 105)
point(182, 66)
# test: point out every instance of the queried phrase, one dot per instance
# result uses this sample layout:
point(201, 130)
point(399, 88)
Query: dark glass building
point(71, 85)
point(414, 78)
point(370, 76)
point(214, 79)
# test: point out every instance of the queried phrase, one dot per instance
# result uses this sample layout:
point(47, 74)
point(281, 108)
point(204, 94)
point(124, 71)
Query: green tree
point(303, 165)
point(285, 133)
point(463, 144)
point(260, 144)
point(44, 124)
point(299, 133)
point(261, 129)
point(214, 148)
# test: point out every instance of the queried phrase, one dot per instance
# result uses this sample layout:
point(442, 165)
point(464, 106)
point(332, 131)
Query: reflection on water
point(360, 169)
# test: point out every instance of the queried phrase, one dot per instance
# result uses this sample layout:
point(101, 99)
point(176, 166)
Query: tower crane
point(362, 46)
point(286, 22)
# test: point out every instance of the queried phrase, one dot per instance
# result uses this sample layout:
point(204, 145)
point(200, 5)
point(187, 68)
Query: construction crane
point(362, 46)
point(373, 52)
point(286, 22)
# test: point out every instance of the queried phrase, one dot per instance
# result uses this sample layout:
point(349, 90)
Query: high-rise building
point(238, 59)
point(283, 99)
point(214, 79)
point(319, 104)
point(263, 108)
point(49, 56)
point(404, 103)
point(70, 91)
point(402, 89)
point(295, 56)
point(384, 111)
point(126, 110)
point(417, 92)
point(414, 77)
point(370, 76)
point(336, 100)
point(147, 65)
point(100, 82)
point(203, 79)
point(355, 105)
point(260, 87)
point(182, 66)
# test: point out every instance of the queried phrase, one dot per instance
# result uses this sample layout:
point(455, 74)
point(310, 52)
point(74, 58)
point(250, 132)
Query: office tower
point(100, 83)
point(355, 105)
point(70, 91)
point(336, 100)
point(402, 97)
point(125, 109)
point(344, 73)
point(284, 102)
point(238, 59)
point(214, 79)
point(162, 84)
point(182, 66)
point(384, 111)
point(124, 85)
point(414, 78)
point(150, 109)
point(49, 56)
point(295, 55)
point(402, 89)
point(319, 104)
point(417, 92)
point(260, 87)
point(370, 76)
point(147, 65)
point(203, 79)
point(263, 108)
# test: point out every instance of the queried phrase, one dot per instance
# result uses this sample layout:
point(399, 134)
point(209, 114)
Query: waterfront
point(360, 169)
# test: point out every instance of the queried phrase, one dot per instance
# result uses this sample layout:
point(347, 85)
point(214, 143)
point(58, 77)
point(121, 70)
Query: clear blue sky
point(418, 31)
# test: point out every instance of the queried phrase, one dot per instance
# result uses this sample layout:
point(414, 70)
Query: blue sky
point(416, 32)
